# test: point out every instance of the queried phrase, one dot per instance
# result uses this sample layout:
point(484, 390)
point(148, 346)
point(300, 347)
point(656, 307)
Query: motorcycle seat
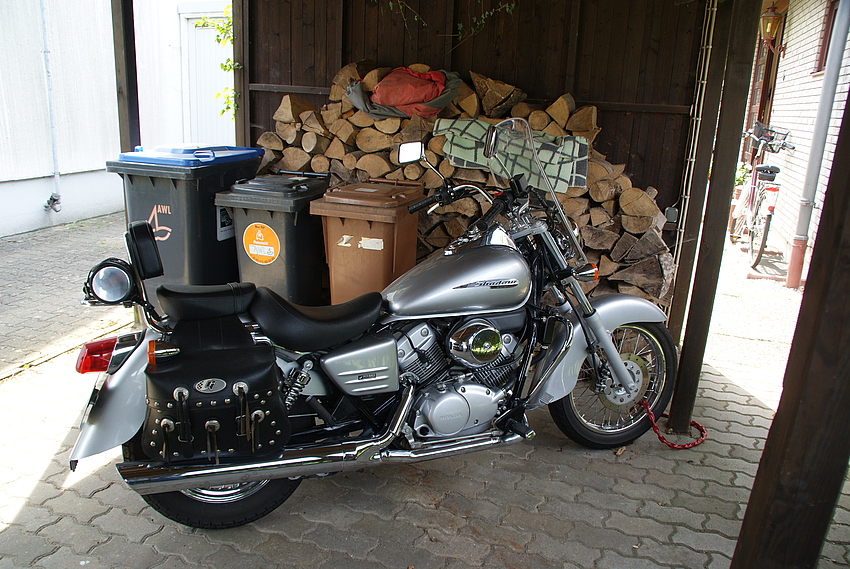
point(198, 302)
point(312, 328)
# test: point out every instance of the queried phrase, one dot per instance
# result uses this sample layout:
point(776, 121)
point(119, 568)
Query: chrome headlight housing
point(111, 281)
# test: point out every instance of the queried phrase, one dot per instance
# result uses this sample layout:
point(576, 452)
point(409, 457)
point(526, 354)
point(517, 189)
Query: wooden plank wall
point(634, 59)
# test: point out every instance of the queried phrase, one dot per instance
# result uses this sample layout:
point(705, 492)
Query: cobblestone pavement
point(547, 503)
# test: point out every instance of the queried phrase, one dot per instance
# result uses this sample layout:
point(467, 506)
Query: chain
point(703, 434)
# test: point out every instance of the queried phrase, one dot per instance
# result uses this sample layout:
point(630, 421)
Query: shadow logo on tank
point(494, 283)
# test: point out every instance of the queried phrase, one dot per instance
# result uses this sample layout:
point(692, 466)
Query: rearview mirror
point(410, 152)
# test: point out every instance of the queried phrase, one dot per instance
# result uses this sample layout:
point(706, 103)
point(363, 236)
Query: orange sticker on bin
point(261, 243)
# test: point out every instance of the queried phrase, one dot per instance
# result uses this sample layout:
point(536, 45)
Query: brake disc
point(615, 396)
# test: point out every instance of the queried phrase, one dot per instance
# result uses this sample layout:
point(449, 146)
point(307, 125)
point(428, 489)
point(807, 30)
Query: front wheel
point(217, 507)
point(600, 413)
point(758, 235)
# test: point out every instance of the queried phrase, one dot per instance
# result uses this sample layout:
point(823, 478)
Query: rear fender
point(118, 410)
point(614, 310)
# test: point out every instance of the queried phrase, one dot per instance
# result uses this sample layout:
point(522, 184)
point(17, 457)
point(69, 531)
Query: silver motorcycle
point(225, 403)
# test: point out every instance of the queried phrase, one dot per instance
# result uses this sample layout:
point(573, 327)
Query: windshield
point(549, 164)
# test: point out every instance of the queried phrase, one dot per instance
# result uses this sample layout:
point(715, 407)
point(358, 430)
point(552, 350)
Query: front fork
point(597, 335)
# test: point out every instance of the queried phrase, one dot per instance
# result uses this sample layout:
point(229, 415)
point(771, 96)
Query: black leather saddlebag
point(216, 404)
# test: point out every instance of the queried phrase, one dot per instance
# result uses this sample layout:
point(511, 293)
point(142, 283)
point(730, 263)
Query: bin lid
point(380, 200)
point(190, 155)
point(380, 194)
point(275, 192)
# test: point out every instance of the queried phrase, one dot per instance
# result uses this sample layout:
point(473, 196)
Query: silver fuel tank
point(484, 278)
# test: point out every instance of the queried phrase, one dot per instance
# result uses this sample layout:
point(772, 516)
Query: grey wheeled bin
point(174, 188)
point(278, 243)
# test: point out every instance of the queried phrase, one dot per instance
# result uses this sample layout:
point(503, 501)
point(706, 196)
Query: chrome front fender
point(614, 310)
point(118, 409)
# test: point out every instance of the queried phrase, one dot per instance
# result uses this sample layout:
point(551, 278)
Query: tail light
point(95, 356)
point(772, 194)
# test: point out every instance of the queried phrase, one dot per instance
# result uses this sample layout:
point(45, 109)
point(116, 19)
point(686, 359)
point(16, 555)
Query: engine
point(464, 371)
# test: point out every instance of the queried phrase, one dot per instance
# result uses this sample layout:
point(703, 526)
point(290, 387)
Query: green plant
point(478, 22)
point(742, 173)
point(224, 37)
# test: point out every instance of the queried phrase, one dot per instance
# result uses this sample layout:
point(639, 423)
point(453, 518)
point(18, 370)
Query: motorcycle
point(223, 405)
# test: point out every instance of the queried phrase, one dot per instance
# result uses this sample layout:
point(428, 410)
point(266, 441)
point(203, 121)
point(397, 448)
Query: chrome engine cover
point(462, 408)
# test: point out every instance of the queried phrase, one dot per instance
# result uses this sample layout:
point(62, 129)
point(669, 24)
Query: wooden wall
point(634, 59)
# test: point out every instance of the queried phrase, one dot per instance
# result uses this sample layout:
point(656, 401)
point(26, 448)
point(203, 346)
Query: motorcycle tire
point(599, 420)
point(217, 507)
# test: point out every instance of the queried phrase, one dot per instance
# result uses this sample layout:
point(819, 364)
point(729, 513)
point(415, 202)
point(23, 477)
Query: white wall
point(795, 106)
point(58, 119)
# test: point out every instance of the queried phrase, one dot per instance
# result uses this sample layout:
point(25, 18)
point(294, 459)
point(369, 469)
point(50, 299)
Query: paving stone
point(639, 526)
point(338, 559)
point(173, 562)
point(442, 544)
point(607, 538)
point(331, 513)
point(723, 526)
point(511, 559)
point(125, 554)
point(65, 557)
point(490, 474)
point(519, 498)
point(538, 522)
point(466, 508)
point(564, 550)
point(23, 547)
point(643, 491)
point(704, 541)
point(193, 548)
point(69, 533)
point(497, 535)
point(555, 488)
point(134, 528)
point(426, 517)
point(28, 518)
point(387, 530)
point(608, 501)
point(277, 549)
point(117, 494)
point(705, 473)
point(574, 511)
point(389, 554)
point(226, 556)
point(668, 555)
point(331, 539)
point(613, 560)
point(363, 481)
point(242, 538)
point(706, 505)
point(718, 561)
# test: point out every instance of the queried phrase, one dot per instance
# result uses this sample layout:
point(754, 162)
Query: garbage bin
point(370, 238)
point(278, 243)
point(174, 188)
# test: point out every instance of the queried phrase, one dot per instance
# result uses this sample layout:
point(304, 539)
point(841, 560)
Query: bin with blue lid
point(279, 244)
point(173, 188)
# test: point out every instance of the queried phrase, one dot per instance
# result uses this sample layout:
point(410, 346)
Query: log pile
point(620, 225)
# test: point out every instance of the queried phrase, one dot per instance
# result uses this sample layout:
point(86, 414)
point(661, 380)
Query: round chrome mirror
point(111, 282)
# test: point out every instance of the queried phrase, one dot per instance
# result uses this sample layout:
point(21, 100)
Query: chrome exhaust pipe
point(146, 478)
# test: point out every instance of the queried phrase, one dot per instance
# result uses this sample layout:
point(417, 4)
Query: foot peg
point(521, 429)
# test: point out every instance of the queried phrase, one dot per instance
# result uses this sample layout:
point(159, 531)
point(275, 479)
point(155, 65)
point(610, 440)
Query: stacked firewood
point(620, 225)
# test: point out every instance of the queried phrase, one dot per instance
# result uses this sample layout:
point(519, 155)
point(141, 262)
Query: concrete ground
point(546, 503)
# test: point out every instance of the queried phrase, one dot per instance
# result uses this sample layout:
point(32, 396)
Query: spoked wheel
point(217, 507)
point(739, 225)
point(603, 414)
point(758, 234)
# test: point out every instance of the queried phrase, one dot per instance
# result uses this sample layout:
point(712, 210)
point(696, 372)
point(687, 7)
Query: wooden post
point(739, 62)
point(124, 43)
point(805, 457)
point(241, 82)
point(702, 162)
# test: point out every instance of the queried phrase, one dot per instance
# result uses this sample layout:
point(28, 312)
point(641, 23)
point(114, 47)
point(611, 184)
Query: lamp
point(769, 25)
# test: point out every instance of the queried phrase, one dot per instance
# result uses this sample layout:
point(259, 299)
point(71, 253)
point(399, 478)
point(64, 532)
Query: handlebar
point(500, 204)
point(422, 204)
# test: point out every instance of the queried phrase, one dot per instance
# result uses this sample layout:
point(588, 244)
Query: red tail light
point(95, 355)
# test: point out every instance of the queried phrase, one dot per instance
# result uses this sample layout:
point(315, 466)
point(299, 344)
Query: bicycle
point(753, 212)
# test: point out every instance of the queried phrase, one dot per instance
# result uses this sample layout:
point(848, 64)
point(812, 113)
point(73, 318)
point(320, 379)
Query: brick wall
point(795, 106)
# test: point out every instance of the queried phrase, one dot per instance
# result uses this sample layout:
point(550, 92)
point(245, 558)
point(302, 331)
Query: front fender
point(614, 310)
point(119, 409)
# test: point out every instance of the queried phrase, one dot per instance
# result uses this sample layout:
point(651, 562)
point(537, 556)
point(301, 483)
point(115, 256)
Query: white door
point(203, 78)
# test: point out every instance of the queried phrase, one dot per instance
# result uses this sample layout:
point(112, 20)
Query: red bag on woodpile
point(407, 90)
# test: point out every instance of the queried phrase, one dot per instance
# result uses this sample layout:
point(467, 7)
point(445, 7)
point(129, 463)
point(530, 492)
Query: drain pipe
point(54, 201)
point(832, 69)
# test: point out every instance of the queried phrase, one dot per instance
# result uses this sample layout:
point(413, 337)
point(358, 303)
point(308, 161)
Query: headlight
point(110, 282)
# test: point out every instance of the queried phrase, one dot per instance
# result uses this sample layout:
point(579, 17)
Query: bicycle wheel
point(758, 232)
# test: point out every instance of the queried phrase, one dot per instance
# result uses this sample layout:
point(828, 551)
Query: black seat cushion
point(312, 328)
point(196, 302)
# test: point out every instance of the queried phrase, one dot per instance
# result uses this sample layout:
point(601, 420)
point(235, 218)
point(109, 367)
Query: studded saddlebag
point(215, 404)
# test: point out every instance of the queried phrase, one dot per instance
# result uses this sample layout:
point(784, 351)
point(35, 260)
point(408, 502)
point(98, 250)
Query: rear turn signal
point(95, 356)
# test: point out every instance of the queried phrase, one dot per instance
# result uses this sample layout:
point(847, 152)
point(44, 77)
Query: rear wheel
point(758, 234)
point(217, 507)
point(602, 414)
